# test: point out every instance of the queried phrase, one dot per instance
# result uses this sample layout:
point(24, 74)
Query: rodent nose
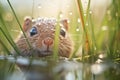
point(48, 41)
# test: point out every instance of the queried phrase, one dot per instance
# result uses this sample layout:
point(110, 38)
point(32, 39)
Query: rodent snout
point(48, 41)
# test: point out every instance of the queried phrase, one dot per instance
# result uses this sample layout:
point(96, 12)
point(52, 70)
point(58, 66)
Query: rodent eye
point(33, 31)
point(62, 32)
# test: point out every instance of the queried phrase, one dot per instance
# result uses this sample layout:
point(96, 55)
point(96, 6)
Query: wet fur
point(45, 28)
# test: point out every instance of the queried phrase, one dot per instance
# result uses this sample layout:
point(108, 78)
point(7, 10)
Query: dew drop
point(90, 12)
point(77, 29)
point(78, 20)
point(94, 48)
point(68, 21)
point(70, 13)
point(61, 15)
point(116, 14)
point(39, 6)
point(101, 56)
point(85, 14)
point(86, 24)
point(104, 28)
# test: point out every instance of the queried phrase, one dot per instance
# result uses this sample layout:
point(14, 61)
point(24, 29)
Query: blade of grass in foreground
point(56, 40)
point(30, 47)
point(5, 48)
point(10, 41)
point(86, 42)
point(6, 34)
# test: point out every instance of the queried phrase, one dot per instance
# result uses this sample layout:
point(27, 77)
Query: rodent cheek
point(37, 43)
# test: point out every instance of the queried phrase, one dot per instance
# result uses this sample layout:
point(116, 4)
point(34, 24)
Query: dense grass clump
point(96, 35)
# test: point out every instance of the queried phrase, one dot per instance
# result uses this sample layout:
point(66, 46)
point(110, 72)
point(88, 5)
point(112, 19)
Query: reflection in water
point(48, 69)
point(70, 76)
point(98, 68)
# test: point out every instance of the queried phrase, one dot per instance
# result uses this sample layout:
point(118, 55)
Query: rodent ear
point(64, 22)
point(27, 23)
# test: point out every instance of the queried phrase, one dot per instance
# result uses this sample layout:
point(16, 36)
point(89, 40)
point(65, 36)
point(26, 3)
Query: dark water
point(47, 69)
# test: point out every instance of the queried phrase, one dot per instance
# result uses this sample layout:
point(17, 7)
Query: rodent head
point(40, 32)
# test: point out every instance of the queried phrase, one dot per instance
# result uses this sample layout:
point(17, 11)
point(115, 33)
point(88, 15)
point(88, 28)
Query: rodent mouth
point(42, 53)
point(46, 52)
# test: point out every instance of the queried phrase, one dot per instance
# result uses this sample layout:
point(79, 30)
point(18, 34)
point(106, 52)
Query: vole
point(40, 33)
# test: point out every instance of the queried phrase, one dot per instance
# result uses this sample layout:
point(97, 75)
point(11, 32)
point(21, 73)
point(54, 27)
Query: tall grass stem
point(19, 24)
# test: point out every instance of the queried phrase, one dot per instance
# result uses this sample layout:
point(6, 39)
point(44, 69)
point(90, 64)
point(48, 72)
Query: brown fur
point(45, 35)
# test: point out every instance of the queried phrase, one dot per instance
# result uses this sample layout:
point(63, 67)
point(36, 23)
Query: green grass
point(94, 40)
point(91, 41)
point(19, 23)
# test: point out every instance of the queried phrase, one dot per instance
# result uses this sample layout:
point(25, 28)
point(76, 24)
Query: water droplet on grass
point(86, 24)
point(78, 20)
point(39, 6)
point(61, 15)
point(70, 13)
point(77, 29)
point(104, 28)
point(85, 14)
point(90, 12)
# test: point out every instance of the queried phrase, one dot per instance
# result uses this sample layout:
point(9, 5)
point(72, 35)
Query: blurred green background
point(94, 26)
point(101, 21)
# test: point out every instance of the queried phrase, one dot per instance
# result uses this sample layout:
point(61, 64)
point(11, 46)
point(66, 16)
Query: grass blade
point(86, 44)
point(7, 35)
point(19, 24)
point(56, 40)
point(5, 48)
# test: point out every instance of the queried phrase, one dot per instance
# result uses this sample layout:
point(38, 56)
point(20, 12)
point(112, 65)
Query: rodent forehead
point(44, 23)
point(45, 27)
